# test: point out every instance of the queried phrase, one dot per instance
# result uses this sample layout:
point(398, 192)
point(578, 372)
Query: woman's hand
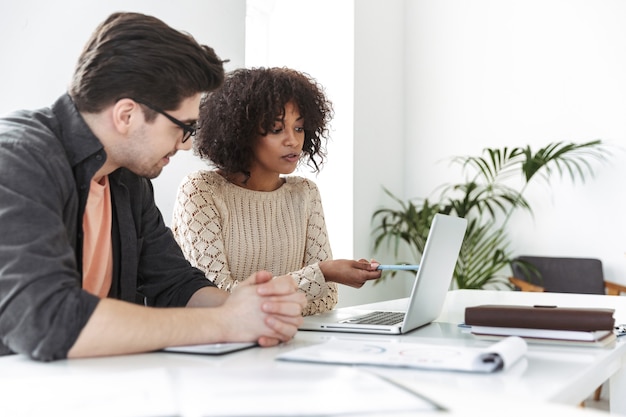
point(349, 272)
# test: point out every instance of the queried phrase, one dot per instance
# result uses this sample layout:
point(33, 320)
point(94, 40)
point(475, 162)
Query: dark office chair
point(570, 275)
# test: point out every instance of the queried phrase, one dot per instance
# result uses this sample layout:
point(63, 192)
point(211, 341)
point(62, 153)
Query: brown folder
point(540, 317)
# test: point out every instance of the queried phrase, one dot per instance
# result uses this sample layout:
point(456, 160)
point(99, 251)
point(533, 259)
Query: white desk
point(551, 380)
point(559, 374)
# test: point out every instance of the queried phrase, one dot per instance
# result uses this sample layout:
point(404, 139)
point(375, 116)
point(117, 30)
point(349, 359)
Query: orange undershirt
point(97, 249)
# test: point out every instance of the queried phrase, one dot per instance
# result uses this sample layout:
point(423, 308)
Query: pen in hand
point(403, 267)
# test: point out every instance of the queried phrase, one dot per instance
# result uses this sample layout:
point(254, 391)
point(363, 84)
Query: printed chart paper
point(493, 358)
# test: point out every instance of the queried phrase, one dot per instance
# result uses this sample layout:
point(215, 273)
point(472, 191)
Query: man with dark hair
point(87, 264)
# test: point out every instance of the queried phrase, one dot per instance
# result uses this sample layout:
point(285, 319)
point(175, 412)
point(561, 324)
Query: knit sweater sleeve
point(318, 249)
point(197, 227)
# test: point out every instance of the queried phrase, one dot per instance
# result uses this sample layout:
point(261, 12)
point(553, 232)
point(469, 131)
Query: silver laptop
point(432, 282)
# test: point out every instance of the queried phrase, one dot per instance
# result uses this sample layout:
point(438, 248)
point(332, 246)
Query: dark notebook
point(540, 317)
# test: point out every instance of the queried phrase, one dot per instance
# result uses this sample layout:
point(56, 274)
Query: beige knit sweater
point(230, 232)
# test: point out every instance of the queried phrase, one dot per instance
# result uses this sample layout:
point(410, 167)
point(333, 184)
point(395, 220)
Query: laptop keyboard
point(384, 318)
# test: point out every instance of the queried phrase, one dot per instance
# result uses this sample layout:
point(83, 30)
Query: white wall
point(41, 41)
point(440, 78)
point(316, 37)
point(430, 79)
point(510, 73)
point(379, 131)
point(333, 41)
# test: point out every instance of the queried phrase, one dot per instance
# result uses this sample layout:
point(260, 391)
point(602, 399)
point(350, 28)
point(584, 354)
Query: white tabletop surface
point(549, 380)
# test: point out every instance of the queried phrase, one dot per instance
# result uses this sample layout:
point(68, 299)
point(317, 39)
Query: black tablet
point(211, 348)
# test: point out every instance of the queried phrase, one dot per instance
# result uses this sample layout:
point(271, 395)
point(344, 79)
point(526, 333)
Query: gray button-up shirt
point(47, 160)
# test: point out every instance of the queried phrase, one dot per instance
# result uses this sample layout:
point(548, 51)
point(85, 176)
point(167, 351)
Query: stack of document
point(544, 324)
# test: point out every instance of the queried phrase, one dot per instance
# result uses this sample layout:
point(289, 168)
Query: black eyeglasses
point(189, 130)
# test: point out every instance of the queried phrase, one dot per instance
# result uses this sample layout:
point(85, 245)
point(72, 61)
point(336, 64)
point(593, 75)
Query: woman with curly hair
point(247, 213)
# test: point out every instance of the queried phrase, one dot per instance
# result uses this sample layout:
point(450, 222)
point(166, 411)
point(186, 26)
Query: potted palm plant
point(487, 200)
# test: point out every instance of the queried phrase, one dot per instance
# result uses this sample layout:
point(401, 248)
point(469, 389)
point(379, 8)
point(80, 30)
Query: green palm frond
point(486, 202)
point(497, 164)
point(407, 225)
point(474, 198)
point(564, 158)
point(483, 255)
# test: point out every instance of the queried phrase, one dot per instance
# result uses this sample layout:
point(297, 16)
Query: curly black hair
point(247, 104)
